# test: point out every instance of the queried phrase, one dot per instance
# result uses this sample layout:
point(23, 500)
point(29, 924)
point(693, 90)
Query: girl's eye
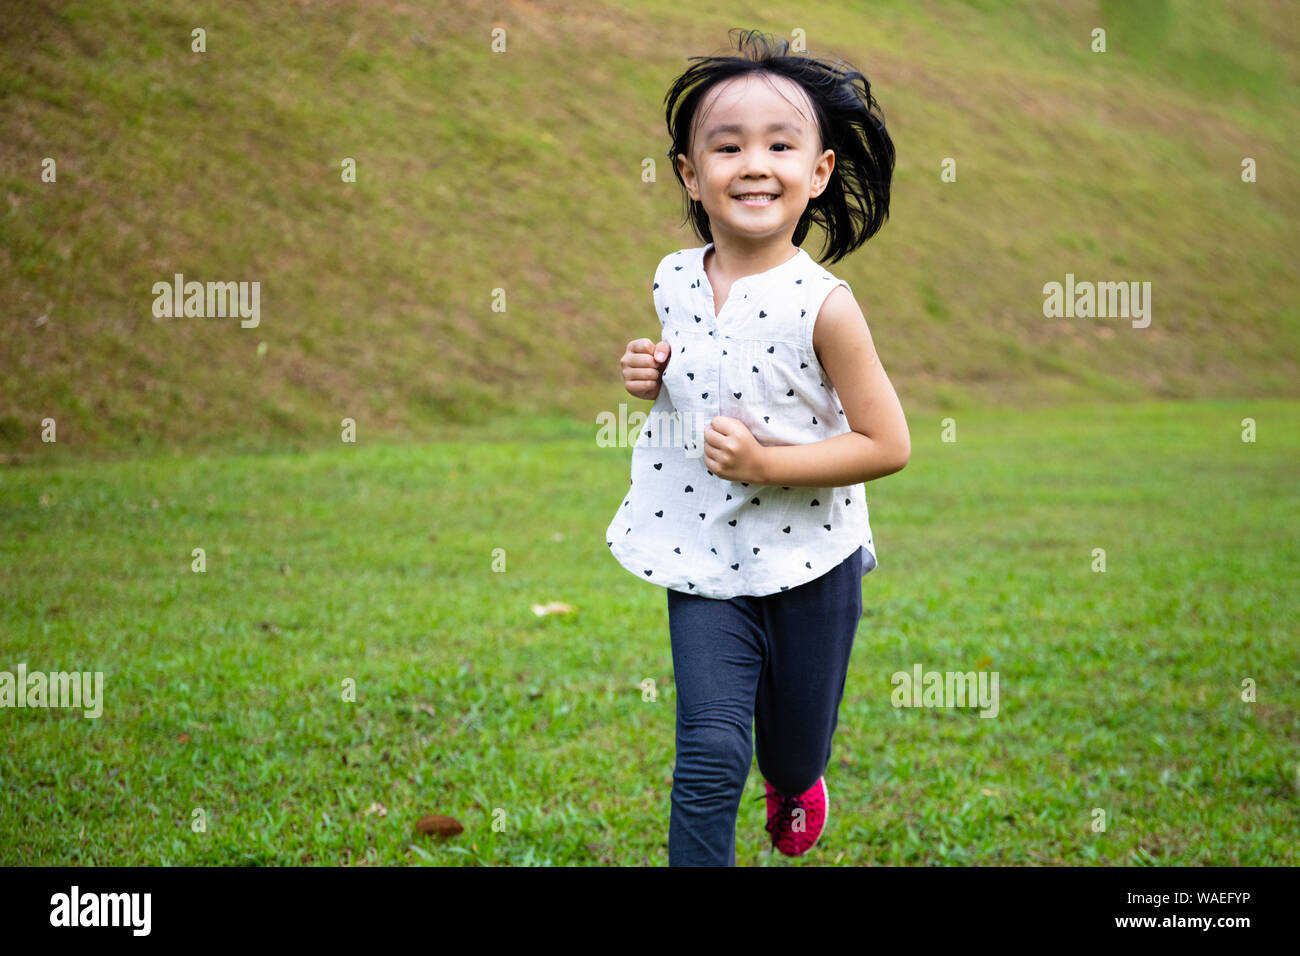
point(786, 146)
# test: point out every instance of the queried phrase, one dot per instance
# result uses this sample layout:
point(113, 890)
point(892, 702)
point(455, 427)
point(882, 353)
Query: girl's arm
point(879, 443)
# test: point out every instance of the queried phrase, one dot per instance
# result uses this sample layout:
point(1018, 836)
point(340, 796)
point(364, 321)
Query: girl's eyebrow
point(779, 126)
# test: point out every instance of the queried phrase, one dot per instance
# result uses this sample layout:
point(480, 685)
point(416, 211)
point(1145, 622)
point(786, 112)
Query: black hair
point(855, 203)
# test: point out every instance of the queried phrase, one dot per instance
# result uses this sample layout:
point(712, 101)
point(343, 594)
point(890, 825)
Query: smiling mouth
point(756, 199)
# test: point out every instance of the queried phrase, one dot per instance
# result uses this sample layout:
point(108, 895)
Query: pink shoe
point(794, 832)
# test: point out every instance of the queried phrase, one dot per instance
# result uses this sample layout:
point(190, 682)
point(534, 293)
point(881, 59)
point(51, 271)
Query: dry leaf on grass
point(439, 825)
point(554, 607)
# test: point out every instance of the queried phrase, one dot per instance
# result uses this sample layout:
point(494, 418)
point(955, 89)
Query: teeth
point(757, 196)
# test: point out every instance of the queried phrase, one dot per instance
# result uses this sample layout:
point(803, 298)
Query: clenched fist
point(643, 365)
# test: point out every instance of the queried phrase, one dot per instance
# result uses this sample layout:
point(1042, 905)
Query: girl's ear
point(828, 161)
point(687, 172)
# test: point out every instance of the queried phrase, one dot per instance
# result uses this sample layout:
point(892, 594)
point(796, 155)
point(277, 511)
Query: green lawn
point(1119, 690)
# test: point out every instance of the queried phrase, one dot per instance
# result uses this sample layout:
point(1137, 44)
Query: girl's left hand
point(731, 451)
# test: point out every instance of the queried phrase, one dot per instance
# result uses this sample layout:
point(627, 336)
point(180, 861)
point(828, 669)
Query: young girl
point(746, 500)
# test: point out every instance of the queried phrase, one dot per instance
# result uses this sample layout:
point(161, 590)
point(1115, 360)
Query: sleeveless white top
point(681, 526)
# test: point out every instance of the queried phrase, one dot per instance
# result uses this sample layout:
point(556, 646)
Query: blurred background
point(522, 171)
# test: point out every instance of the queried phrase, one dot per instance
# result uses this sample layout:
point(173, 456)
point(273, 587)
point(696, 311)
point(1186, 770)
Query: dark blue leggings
point(778, 662)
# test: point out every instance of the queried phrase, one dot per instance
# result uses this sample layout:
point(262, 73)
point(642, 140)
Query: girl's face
point(755, 135)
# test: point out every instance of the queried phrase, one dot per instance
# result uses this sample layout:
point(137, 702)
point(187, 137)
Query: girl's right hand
point(643, 365)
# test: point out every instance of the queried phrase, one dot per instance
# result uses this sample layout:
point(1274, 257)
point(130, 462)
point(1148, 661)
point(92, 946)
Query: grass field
point(1119, 690)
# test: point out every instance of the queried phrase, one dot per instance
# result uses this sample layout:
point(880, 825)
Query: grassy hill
point(521, 171)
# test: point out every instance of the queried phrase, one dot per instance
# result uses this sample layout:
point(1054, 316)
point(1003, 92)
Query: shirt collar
point(757, 277)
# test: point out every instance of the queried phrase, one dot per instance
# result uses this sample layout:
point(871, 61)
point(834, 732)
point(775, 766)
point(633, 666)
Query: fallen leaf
point(554, 607)
point(183, 738)
point(439, 825)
